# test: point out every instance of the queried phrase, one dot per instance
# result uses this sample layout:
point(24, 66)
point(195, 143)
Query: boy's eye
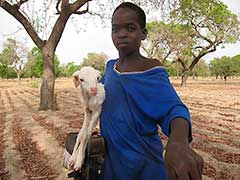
point(131, 29)
point(115, 29)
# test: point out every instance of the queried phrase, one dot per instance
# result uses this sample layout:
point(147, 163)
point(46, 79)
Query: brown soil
point(32, 141)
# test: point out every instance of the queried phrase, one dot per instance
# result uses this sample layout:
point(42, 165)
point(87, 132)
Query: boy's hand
point(181, 161)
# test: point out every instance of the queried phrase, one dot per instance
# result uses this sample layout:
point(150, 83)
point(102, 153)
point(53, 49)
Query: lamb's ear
point(75, 76)
point(76, 81)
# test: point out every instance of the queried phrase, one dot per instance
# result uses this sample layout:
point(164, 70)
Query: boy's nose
point(93, 90)
point(122, 33)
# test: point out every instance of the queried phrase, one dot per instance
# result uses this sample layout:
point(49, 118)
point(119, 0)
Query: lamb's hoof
point(71, 163)
point(78, 165)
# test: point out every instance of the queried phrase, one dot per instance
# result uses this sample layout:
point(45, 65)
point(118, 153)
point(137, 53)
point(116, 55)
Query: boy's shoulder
point(151, 63)
point(110, 62)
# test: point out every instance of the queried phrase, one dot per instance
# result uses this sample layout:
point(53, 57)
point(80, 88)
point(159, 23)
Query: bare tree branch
point(203, 37)
point(78, 4)
point(10, 34)
point(57, 6)
point(19, 3)
point(13, 10)
point(83, 11)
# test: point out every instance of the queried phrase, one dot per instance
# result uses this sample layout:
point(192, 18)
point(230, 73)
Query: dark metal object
point(92, 167)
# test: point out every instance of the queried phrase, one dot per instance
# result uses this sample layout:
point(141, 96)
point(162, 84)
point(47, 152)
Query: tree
point(14, 55)
point(235, 61)
point(95, 60)
point(225, 66)
point(194, 29)
point(165, 40)
point(213, 25)
point(215, 67)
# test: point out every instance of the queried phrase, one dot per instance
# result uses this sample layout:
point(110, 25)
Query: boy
point(139, 96)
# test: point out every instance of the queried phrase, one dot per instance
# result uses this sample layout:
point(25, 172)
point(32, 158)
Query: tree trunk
point(177, 73)
point(19, 78)
point(184, 79)
point(47, 97)
point(194, 76)
point(225, 78)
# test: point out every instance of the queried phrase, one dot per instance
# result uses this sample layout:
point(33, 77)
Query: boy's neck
point(123, 59)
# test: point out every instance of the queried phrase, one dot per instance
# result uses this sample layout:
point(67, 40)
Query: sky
point(76, 43)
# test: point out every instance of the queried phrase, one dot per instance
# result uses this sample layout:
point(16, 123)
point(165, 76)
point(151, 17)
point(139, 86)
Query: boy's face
point(126, 31)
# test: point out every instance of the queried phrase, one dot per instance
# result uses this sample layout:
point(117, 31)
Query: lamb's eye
point(81, 79)
point(99, 78)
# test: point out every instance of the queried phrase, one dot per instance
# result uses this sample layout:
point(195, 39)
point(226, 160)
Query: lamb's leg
point(86, 137)
point(83, 130)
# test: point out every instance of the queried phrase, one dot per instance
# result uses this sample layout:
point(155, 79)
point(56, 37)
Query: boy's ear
point(144, 33)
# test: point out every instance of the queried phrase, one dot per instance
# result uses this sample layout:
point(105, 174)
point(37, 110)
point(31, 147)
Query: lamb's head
point(87, 78)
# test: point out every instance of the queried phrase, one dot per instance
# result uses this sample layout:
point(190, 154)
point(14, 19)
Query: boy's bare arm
point(181, 161)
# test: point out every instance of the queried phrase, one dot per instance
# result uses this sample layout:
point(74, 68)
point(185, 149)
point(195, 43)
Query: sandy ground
point(32, 141)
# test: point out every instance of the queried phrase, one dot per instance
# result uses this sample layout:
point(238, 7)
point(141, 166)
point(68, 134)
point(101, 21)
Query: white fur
point(92, 95)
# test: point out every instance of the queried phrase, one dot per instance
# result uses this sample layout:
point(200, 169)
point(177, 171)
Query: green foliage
point(56, 68)
point(175, 69)
point(95, 60)
point(212, 15)
point(225, 66)
point(168, 40)
point(7, 58)
point(7, 72)
point(68, 70)
point(9, 54)
point(235, 64)
point(34, 66)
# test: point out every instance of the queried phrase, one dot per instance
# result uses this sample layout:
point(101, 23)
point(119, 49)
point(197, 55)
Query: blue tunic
point(135, 103)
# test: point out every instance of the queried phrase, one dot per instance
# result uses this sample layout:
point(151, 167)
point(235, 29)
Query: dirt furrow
point(43, 139)
point(55, 125)
point(219, 117)
point(215, 129)
point(32, 92)
point(56, 132)
point(4, 174)
point(211, 107)
point(33, 160)
point(11, 156)
point(228, 121)
point(217, 153)
point(218, 170)
point(216, 140)
point(216, 136)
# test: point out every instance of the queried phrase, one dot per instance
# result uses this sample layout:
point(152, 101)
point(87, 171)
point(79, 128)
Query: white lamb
point(92, 95)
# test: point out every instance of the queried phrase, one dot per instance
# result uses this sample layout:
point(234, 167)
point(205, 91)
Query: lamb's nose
point(93, 90)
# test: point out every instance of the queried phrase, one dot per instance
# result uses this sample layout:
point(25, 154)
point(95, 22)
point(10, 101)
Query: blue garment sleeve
point(178, 111)
point(108, 63)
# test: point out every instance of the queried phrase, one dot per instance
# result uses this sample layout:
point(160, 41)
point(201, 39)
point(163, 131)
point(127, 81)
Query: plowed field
point(32, 141)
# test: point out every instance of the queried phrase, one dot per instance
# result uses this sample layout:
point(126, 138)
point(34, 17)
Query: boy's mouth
point(122, 43)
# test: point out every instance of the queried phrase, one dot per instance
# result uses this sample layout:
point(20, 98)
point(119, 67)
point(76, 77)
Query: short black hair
point(140, 13)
